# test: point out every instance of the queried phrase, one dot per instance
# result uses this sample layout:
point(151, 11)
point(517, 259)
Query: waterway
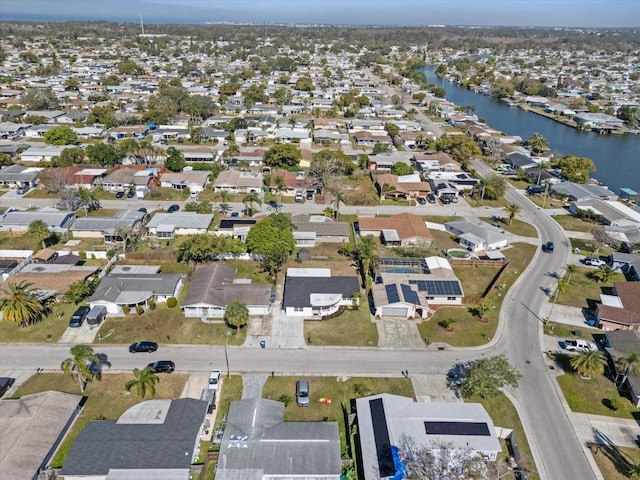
point(617, 157)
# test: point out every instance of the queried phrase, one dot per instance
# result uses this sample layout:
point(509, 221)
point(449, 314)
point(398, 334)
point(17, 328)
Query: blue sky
point(560, 13)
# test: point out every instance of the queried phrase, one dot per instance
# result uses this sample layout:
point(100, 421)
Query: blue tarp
point(398, 464)
point(628, 192)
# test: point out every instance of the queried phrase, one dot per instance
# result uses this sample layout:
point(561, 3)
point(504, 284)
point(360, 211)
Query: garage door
point(394, 312)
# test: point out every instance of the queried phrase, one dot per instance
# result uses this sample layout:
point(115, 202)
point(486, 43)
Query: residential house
point(51, 279)
point(326, 136)
point(461, 181)
point(168, 225)
point(153, 439)
point(199, 155)
point(109, 229)
point(621, 310)
point(404, 229)
point(14, 176)
point(388, 424)
point(311, 230)
point(258, 443)
point(519, 160)
point(124, 178)
point(384, 163)
point(41, 154)
point(193, 181)
point(214, 286)
point(611, 212)
point(314, 293)
point(129, 131)
point(292, 135)
point(436, 162)
point(370, 138)
point(89, 132)
point(402, 186)
point(476, 235)
point(32, 428)
point(133, 285)
point(19, 220)
point(629, 263)
point(235, 227)
point(292, 182)
point(620, 344)
point(578, 192)
point(11, 130)
point(237, 181)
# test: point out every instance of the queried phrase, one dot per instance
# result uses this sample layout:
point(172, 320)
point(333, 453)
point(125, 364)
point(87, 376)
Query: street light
point(226, 355)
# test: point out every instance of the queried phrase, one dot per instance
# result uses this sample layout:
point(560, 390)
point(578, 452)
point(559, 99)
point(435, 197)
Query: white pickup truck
point(214, 379)
point(579, 345)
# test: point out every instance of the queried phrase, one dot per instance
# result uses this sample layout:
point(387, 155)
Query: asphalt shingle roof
point(298, 290)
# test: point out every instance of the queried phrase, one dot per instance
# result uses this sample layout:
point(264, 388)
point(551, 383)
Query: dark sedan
point(5, 384)
point(162, 366)
point(143, 347)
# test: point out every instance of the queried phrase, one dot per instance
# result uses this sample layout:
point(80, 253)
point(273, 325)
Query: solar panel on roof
point(392, 293)
point(480, 429)
point(438, 287)
point(409, 295)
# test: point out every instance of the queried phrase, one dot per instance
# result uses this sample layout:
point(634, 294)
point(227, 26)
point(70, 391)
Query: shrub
point(139, 309)
point(284, 398)
point(172, 302)
point(126, 309)
point(152, 304)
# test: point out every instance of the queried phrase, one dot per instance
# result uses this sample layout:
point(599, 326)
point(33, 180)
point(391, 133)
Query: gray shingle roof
point(113, 286)
point(297, 290)
point(274, 447)
point(181, 220)
point(104, 444)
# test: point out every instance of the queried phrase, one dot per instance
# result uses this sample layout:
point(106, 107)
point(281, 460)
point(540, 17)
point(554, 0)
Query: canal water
point(617, 157)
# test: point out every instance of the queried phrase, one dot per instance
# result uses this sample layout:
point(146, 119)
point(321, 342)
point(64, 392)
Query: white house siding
point(303, 312)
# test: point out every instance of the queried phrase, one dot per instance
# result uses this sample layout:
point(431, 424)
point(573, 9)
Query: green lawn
point(19, 241)
point(517, 227)
point(583, 291)
point(168, 326)
point(614, 462)
point(106, 399)
point(469, 331)
point(591, 395)
point(49, 330)
point(41, 193)
point(504, 414)
point(340, 393)
point(167, 194)
point(231, 391)
point(573, 224)
point(353, 327)
point(566, 331)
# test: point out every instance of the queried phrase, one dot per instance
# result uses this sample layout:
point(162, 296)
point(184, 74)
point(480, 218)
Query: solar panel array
point(409, 295)
point(392, 293)
point(449, 288)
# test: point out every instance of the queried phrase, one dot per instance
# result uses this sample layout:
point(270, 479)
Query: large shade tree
point(22, 305)
point(79, 364)
point(272, 238)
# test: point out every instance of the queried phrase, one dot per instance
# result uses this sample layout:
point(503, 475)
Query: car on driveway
point(77, 319)
point(147, 347)
point(119, 194)
point(214, 379)
point(593, 261)
point(431, 198)
point(5, 384)
point(578, 345)
point(131, 194)
point(421, 200)
point(162, 366)
point(302, 393)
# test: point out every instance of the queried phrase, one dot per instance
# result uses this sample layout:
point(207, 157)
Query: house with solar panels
point(389, 424)
point(412, 287)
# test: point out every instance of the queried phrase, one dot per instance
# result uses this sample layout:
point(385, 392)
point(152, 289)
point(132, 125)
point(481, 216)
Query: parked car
point(299, 196)
point(235, 214)
point(593, 261)
point(579, 346)
point(131, 194)
point(421, 200)
point(431, 198)
point(148, 347)
point(22, 190)
point(5, 384)
point(162, 366)
point(547, 247)
point(173, 208)
point(119, 194)
point(77, 319)
point(302, 393)
point(214, 379)
point(445, 200)
point(142, 209)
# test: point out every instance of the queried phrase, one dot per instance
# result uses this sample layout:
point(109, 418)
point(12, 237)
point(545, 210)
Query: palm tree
point(78, 365)
point(88, 199)
point(588, 363)
point(366, 256)
point(629, 364)
point(538, 143)
point(250, 201)
point(236, 314)
point(39, 229)
point(571, 269)
point(280, 186)
point(145, 381)
point(512, 210)
point(338, 198)
point(603, 274)
point(483, 308)
point(21, 305)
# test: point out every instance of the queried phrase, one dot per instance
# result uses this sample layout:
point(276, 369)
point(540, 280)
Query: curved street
point(557, 451)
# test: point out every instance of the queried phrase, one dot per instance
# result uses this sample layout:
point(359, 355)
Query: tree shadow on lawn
point(604, 445)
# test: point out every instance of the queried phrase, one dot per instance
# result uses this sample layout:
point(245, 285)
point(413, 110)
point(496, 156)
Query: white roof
point(434, 263)
point(309, 272)
point(611, 301)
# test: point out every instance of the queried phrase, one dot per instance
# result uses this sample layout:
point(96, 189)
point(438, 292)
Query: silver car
point(302, 393)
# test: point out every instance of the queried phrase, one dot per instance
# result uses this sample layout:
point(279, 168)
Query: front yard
point(353, 327)
point(615, 462)
point(584, 291)
point(106, 399)
point(49, 330)
point(168, 326)
point(573, 224)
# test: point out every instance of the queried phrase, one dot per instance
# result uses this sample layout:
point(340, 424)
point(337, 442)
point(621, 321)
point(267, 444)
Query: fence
point(168, 256)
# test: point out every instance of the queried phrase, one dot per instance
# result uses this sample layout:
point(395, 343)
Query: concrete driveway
point(399, 333)
point(82, 334)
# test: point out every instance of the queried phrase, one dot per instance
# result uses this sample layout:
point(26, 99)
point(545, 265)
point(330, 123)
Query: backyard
point(106, 399)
